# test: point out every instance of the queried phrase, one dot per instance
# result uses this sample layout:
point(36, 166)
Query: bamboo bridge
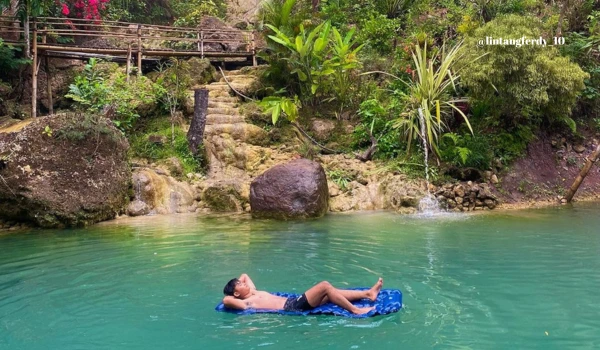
point(130, 42)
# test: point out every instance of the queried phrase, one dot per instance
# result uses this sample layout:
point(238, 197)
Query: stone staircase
point(223, 115)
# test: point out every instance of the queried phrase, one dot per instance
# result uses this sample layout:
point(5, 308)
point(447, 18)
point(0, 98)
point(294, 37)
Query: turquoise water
point(512, 280)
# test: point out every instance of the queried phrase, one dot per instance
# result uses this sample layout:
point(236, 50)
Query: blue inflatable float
point(388, 301)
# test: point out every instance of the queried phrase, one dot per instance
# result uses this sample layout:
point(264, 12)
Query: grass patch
point(143, 147)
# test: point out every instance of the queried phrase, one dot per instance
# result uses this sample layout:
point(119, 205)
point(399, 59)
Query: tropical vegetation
point(399, 72)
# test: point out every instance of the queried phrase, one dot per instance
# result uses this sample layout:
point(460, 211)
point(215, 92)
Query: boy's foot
point(374, 291)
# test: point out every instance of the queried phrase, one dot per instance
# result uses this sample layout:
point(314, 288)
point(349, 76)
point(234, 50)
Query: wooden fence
point(51, 36)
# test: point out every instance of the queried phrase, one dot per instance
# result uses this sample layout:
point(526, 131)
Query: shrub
point(8, 59)
point(95, 91)
point(376, 118)
point(143, 147)
point(379, 32)
point(524, 85)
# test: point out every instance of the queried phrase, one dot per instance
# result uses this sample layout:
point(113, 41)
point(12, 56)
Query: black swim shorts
point(297, 304)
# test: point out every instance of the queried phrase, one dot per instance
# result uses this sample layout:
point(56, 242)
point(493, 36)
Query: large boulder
point(66, 170)
point(297, 189)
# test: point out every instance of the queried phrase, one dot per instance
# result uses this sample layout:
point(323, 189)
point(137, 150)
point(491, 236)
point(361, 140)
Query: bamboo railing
point(56, 35)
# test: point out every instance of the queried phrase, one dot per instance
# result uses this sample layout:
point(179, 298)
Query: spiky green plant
point(430, 93)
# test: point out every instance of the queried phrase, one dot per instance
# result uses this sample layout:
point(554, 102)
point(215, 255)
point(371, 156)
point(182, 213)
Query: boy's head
point(230, 287)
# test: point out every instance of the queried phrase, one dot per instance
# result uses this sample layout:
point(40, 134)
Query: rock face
point(160, 194)
point(66, 170)
point(297, 189)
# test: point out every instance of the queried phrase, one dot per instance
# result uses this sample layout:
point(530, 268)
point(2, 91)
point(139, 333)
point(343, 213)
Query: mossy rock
point(200, 71)
point(64, 170)
point(224, 196)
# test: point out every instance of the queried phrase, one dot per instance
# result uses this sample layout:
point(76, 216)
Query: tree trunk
point(196, 132)
point(582, 174)
point(315, 5)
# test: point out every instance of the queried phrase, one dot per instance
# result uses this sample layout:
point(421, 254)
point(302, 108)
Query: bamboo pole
point(146, 52)
point(139, 53)
point(48, 78)
point(127, 70)
point(253, 49)
point(34, 72)
point(201, 44)
point(582, 174)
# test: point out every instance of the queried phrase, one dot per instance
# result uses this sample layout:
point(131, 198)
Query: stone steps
point(223, 116)
point(219, 93)
point(221, 105)
point(243, 131)
point(237, 79)
point(215, 119)
point(232, 73)
point(223, 110)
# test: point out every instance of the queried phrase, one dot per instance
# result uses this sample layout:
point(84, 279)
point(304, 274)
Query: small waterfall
point(138, 190)
point(427, 205)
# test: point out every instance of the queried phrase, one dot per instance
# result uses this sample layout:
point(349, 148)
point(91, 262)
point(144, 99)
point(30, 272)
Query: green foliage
point(523, 85)
point(275, 105)
point(378, 32)
point(343, 61)
point(173, 83)
point(26, 8)
point(305, 55)
point(189, 13)
point(8, 58)
point(375, 118)
point(466, 150)
point(47, 131)
point(84, 126)
point(394, 8)
point(142, 147)
point(322, 60)
point(340, 177)
point(177, 12)
point(585, 50)
point(285, 15)
point(509, 146)
point(95, 93)
point(428, 100)
point(490, 9)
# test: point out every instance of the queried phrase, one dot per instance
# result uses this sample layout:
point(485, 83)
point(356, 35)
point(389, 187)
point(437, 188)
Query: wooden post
point(201, 44)
point(34, 72)
point(128, 65)
point(139, 53)
point(199, 39)
point(582, 174)
point(254, 49)
point(48, 77)
point(196, 131)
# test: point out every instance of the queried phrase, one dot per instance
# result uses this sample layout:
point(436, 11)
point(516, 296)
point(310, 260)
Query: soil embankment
point(546, 172)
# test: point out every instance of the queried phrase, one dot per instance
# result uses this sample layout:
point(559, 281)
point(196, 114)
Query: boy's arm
point(246, 279)
point(234, 303)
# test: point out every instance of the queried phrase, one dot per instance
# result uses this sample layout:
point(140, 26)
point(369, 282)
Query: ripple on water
point(469, 281)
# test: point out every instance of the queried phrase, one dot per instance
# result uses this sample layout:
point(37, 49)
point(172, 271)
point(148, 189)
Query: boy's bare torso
point(265, 300)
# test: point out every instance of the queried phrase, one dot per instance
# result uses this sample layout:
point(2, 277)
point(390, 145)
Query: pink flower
point(65, 10)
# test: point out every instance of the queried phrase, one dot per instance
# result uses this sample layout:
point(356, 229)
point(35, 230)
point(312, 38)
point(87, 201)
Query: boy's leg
point(353, 295)
point(324, 289)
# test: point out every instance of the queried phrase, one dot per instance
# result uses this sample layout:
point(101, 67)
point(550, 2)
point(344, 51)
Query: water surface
point(504, 280)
